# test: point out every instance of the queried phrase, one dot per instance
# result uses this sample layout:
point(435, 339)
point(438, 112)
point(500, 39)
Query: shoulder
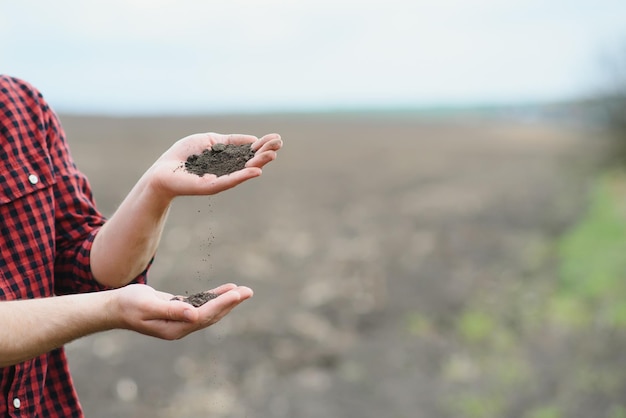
point(19, 91)
point(24, 116)
point(23, 104)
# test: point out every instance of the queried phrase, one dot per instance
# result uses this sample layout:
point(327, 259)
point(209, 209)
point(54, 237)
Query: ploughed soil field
point(397, 263)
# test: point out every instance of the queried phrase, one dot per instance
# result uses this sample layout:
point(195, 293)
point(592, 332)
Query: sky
point(203, 56)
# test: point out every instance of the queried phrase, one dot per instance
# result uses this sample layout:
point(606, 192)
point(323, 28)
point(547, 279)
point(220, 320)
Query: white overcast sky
point(177, 56)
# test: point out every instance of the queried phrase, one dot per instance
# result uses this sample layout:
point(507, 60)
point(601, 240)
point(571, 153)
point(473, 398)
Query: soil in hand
point(221, 159)
point(197, 299)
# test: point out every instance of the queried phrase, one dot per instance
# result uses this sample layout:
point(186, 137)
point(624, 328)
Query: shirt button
point(33, 179)
point(17, 403)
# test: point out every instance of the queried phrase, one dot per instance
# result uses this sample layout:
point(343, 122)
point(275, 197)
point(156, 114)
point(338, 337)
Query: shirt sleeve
point(77, 220)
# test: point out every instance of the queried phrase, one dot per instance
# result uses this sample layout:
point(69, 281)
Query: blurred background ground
point(402, 267)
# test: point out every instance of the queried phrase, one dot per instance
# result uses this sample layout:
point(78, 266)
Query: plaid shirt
point(48, 221)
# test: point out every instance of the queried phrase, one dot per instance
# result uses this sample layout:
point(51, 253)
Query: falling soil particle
point(197, 299)
point(221, 159)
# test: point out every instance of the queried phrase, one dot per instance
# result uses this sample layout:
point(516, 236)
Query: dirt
point(197, 299)
point(220, 160)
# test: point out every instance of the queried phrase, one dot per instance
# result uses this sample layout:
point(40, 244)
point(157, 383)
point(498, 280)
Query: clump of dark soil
point(220, 160)
point(197, 299)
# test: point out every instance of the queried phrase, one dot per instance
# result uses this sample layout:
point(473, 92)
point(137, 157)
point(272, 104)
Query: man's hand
point(30, 327)
point(142, 309)
point(169, 178)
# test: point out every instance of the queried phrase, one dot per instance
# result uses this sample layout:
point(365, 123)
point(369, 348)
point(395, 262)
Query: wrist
point(152, 191)
point(112, 309)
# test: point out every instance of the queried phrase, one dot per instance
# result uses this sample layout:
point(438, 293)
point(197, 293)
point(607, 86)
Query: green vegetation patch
point(593, 260)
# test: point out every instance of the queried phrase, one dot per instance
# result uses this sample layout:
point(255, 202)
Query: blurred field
point(401, 267)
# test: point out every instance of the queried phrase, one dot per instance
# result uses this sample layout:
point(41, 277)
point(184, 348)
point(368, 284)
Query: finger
point(227, 301)
point(217, 291)
point(211, 184)
point(270, 138)
point(229, 296)
point(229, 181)
point(245, 292)
point(260, 160)
point(174, 310)
point(273, 145)
point(214, 310)
point(223, 288)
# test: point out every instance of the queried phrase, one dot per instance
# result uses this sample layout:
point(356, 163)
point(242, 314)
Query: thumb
point(180, 311)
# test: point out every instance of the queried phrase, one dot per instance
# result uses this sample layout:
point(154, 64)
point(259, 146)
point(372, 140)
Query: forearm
point(128, 240)
point(32, 327)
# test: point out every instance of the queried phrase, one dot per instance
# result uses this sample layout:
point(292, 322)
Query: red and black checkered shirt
point(48, 221)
